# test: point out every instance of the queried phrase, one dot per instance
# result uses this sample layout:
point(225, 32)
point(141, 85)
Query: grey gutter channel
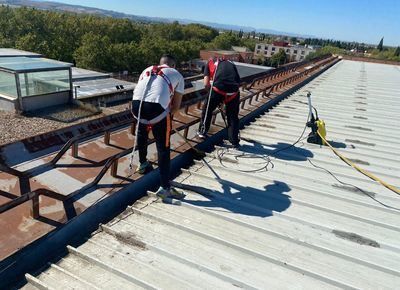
point(77, 230)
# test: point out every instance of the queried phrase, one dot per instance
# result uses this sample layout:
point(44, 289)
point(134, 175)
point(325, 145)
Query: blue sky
point(363, 21)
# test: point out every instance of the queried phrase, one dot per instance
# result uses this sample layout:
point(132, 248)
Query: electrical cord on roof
point(359, 169)
point(266, 162)
point(266, 158)
point(269, 164)
point(349, 184)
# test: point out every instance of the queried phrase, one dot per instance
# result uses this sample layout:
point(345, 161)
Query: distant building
point(314, 46)
point(294, 52)
point(227, 54)
point(280, 43)
point(238, 54)
point(246, 55)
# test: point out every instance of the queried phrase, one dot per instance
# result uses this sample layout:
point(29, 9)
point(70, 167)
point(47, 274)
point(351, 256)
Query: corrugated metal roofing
point(80, 74)
point(291, 226)
point(102, 86)
point(11, 52)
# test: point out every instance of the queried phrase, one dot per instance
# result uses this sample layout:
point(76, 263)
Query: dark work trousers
point(232, 115)
point(161, 132)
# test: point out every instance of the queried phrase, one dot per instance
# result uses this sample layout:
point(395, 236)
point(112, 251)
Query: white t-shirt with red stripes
point(155, 89)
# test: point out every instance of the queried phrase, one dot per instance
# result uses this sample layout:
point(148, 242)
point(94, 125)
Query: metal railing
point(113, 161)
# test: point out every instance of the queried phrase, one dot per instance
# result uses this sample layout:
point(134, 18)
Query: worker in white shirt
point(157, 96)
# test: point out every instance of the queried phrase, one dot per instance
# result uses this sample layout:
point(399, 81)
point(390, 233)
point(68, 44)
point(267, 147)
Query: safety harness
point(227, 96)
point(212, 67)
point(157, 71)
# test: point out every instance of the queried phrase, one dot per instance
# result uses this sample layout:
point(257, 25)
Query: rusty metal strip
point(33, 195)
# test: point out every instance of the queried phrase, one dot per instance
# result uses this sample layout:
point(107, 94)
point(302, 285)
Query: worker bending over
point(156, 98)
point(222, 79)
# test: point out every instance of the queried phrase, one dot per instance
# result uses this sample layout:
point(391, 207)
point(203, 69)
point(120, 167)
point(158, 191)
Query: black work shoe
point(228, 144)
point(144, 168)
point(201, 135)
point(170, 193)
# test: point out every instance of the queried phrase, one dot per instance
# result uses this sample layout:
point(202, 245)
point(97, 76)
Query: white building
point(295, 52)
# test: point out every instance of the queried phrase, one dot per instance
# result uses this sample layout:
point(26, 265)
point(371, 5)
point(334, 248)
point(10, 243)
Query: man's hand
point(206, 82)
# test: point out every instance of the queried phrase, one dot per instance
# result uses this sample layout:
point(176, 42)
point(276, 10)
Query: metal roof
point(27, 64)
point(247, 69)
point(222, 51)
point(291, 226)
point(240, 49)
point(80, 74)
point(102, 86)
point(11, 52)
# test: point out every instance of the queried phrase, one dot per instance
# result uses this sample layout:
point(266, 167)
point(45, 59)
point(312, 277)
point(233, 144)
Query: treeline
point(101, 43)
point(386, 54)
point(105, 43)
point(337, 43)
point(112, 45)
point(392, 54)
point(362, 49)
point(326, 50)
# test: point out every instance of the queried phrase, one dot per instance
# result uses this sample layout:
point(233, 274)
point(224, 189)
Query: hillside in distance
point(57, 6)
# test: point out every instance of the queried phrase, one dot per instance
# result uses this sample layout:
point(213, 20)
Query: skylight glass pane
point(39, 83)
point(26, 63)
point(8, 85)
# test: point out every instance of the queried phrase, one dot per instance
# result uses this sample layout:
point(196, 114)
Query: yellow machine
point(317, 126)
point(321, 129)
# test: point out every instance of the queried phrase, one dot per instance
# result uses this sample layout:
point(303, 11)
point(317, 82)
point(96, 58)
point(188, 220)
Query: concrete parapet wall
point(43, 101)
point(7, 104)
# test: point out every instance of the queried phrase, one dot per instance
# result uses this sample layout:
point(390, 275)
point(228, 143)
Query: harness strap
point(213, 66)
point(228, 97)
point(154, 120)
point(157, 71)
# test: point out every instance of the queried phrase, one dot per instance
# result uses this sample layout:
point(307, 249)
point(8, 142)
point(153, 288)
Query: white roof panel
point(294, 225)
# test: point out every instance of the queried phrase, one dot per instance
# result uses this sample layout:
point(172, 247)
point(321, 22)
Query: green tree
point(198, 32)
point(380, 45)
point(126, 56)
point(225, 41)
point(248, 43)
point(32, 42)
point(94, 52)
point(326, 50)
point(152, 48)
point(278, 58)
point(397, 51)
point(4, 42)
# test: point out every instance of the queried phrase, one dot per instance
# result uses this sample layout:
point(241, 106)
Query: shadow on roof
point(244, 199)
point(337, 144)
point(283, 151)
